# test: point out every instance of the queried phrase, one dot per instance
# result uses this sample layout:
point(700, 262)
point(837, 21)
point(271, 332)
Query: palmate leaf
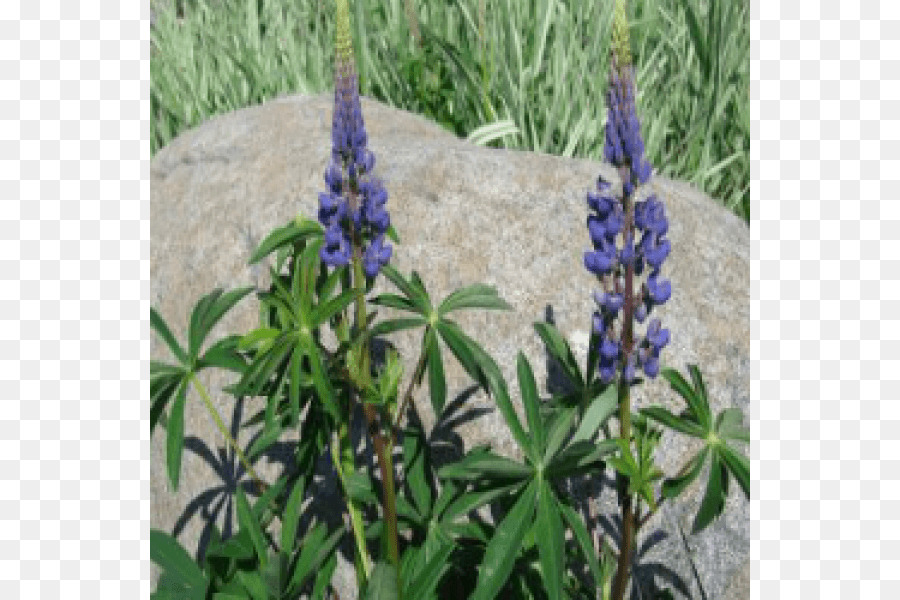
point(414, 292)
point(725, 461)
point(673, 487)
point(697, 402)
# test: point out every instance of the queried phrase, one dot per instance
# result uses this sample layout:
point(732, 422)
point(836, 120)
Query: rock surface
point(465, 214)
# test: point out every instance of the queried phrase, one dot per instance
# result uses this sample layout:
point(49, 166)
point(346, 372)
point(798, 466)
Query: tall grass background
point(524, 74)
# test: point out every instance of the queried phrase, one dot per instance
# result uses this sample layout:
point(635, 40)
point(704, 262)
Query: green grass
point(528, 74)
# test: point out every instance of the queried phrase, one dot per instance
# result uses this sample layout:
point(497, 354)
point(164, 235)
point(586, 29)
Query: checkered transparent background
point(826, 342)
point(74, 295)
point(74, 260)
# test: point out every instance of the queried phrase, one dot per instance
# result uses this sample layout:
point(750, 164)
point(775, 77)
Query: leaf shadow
point(648, 578)
point(216, 504)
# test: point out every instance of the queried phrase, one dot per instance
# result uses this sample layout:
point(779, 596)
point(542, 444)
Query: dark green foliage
point(724, 460)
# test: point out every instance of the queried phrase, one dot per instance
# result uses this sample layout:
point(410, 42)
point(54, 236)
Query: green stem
point(342, 455)
point(225, 433)
point(625, 549)
point(383, 450)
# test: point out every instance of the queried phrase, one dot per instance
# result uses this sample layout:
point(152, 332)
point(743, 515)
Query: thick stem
point(382, 450)
point(625, 549)
point(386, 467)
point(226, 434)
point(628, 516)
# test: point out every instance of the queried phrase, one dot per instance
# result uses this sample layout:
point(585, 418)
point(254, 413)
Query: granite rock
point(515, 220)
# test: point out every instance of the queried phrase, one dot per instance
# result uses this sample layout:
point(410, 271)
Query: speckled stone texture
point(465, 214)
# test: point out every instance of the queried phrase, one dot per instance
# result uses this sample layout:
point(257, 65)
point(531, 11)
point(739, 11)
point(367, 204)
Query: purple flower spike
point(353, 210)
point(628, 236)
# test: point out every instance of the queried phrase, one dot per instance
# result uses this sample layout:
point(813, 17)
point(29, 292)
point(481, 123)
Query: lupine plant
point(484, 525)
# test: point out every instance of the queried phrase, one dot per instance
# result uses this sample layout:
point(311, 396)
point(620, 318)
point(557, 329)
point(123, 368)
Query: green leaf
point(290, 233)
point(249, 523)
point(484, 370)
point(696, 404)
point(730, 425)
point(161, 392)
point(416, 464)
point(323, 578)
point(697, 37)
point(259, 338)
point(175, 435)
point(473, 500)
point(713, 500)
point(738, 465)
point(429, 575)
point(456, 341)
point(500, 554)
point(415, 293)
point(601, 408)
point(583, 538)
point(208, 311)
point(579, 456)
point(473, 296)
point(322, 313)
point(394, 325)
point(484, 464)
point(254, 584)
point(174, 560)
point(383, 583)
point(238, 546)
point(437, 383)
point(360, 488)
point(559, 429)
point(395, 301)
point(531, 401)
point(550, 541)
point(223, 354)
point(162, 330)
point(392, 233)
point(322, 384)
point(316, 551)
point(671, 488)
point(658, 413)
point(559, 349)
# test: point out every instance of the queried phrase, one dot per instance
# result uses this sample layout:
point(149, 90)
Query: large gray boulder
point(465, 214)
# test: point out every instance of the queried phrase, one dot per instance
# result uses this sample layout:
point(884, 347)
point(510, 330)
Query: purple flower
point(353, 210)
point(628, 239)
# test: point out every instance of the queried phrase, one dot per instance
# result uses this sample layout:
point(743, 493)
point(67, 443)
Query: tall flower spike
point(628, 236)
point(353, 209)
